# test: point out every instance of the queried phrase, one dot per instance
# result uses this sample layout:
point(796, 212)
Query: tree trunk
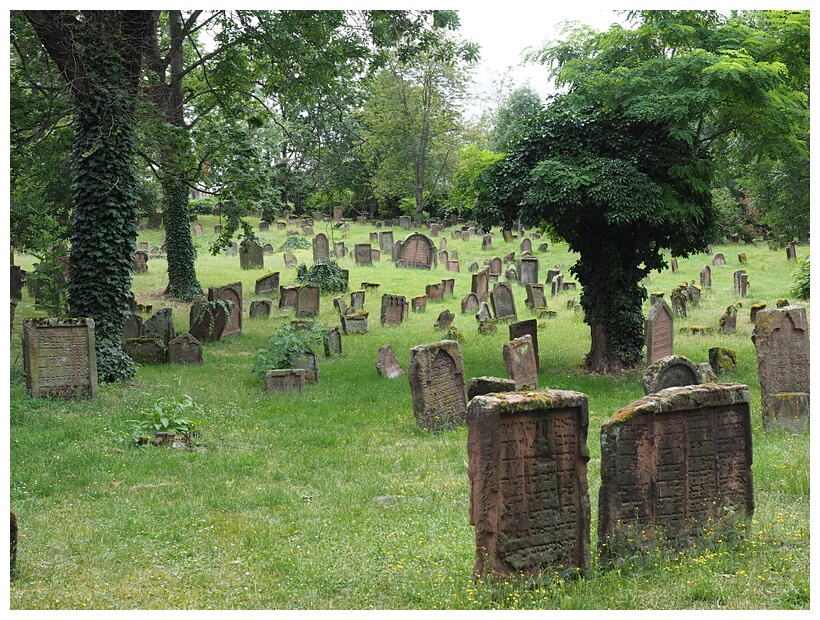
point(601, 358)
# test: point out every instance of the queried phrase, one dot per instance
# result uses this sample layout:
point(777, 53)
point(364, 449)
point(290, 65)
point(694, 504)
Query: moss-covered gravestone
point(437, 385)
point(59, 358)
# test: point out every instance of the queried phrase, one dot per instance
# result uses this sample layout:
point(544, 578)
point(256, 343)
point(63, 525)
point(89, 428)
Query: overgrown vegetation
point(801, 286)
point(326, 274)
point(285, 345)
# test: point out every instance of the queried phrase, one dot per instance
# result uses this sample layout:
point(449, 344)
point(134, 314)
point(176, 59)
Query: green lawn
point(333, 498)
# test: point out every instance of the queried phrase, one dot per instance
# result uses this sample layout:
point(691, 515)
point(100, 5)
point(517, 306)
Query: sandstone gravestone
point(363, 254)
point(206, 321)
point(495, 266)
point(230, 292)
point(706, 277)
point(526, 246)
point(308, 362)
point(469, 303)
point(252, 257)
point(184, 349)
point(449, 285)
point(332, 342)
point(386, 241)
point(445, 320)
point(659, 332)
point(354, 323)
point(535, 296)
point(287, 296)
point(285, 380)
point(321, 248)
point(718, 259)
point(527, 466)
point(453, 265)
point(486, 242)
point(417, 251)
point(781, 339)
point(434, 291)
point(339, 250)
point(419, 303)
point(481, 284)
point(387, 364)
point(728, 322)
point(357, 299)
point(394, 310)
point(437, 385)
point(59, 358)
point(443, 257)
point(146, 350)
point(307, 301)
point(161, 326)
point(503, 302)
point(140, 261)
point(519, 357)
point(675, 465)
point(268, 283)
point(669, 371)
point(290, 259)
point(528, 269)
point(260, 309)
point(524, 328)
point(479, 386)
point(131, 327)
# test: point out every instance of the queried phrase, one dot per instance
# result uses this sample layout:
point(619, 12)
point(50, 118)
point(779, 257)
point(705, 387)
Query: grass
point(333, 498)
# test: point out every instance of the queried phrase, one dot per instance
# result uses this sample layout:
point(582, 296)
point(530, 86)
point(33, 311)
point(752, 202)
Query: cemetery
point(394, 467)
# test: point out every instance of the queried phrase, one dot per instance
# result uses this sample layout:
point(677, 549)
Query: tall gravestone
point(386, 241)
point(527, 269)
point(481, 284)
point(363, 254)
point(394, 310)
point(59, 358)
point(495, 266)
point(417, 251)
point(206, 322)
point(160, 325)
point(675, 466)
point(527, 466)
point(321, 248)
point(231, 292)
point(528, 327)
point(287, 296)
point(659, 333)
point(519, 358)
point(782, 341)
point(252, 257)
point(503, 302)
point(437, 385)
point(307, 300)
point(535, 296)
point(706, 277)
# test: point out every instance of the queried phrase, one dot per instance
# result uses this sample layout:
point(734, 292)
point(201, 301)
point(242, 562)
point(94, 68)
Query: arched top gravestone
point(659, 332)
point(417, 251)
point(670, 371)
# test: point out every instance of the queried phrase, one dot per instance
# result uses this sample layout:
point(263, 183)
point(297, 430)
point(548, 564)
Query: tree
point(521, 103)
point(464, 187)
point(99, 53)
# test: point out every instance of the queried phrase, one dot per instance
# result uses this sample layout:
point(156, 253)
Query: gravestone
point(146, 350)
point(252, 258)
point(535, 296)
point(16, 283)
point(445, 319)
point(483, 313)
point(268, 283)
point(791, 253)
point(722, 360)
point(59, 358)
point(679, 298)
point(308, 362)
point(528, 269)
point(449, 285)
point(519, 358)
point(673, 263)
point(741, 257)
point(510, 274)
point(728, 322)
point(557, 285)
point(357, 299)
point(232, 250)
point(473, 267)
point(507, 235)
point(260, 309)
point(738, 280)
point(437, 385)
point(495, 266)
point(267, 249)
point(197, 229)
point(140, 261)
point(417, 251)
point(321, 249)
point(394, 310)
point(161, 326)
point(142, 245)
point(669, 371)
point(184, 349)
point(419, 303)
point(131, 327)
point(284, 380)
point(486, 242)
point(339, 250)
point(434, 291)
point(781, 339)
point(287, 296)
point(386, 241)
point(453, 265)
point(718, 259)
point(526, 246)
point(332, 341)
point(340, 304)
point(675, 466)
point(363, 254)
point(290, 259)
point(354, 323)
point(443, 257)
point(479, 386)
point(503, 302)
point(434, 230)
point(206, 322)
point(307, 301)
point(754, 310)
point(405, 223)
point(231, 292)
point(659, 332)
point(481, 284)
point(442, 244)
point(374, 238)
point(527, 466)
point(469, 303)
point(528, 327)
point(387, 364)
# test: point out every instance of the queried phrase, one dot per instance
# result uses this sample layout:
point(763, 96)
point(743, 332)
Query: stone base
point(789, 411)
point(286, 380)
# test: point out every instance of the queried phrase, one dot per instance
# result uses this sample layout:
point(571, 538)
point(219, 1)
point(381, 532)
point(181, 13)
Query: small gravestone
point(207, 321)
point(718, 259)
point(387, 364)
point(435, 291)
point(434, 230)
point(230, 292)
point(679, 298)
point(507, 235)
point(252, 257)
point(288, 296)
point(528, 327)
point(339, 250)
point(509, 258)
point(781, 338)
point(473, 267)
point(340, 304)
point(673, 263)
point(357, 299)
point(197, 229)
point(332, 341)
point(232, 250)
point(526, 246)
point(483, 313)
point(445, 319)
point(659, 332)
point(268, 283)
point(308, 362)
point(374, 238)
point(260, 309)
point(321, 248)
point(443, 257)
point(267, 249)
point(284, 380)
point(145, 350)
point(481, 284)
point(738, 279)
point(184, 349)
point(527, 467)
point(669, 371)
point(511, 274)
point(290, 259)
point(486, 242)
point(264, 226)
point(503, 302)
point(693, 290)
point(535, 296)
point(728, 322)
point(394, 310)
point(59, 358)
point(307, 230)
point(363, 254)
point(495, 266)
point(557, 285)
point(131, 327)
point(742, 258)
point(142, 245)
point(419, 303)
point(528, 269)
point(479, 386)
point(354, 323)
point(791, 253)
point(161, 326)
point(437, 385)
point(675, 466)
point(140, 261)
point(449, 285)
point(469, 303)
point(307, 301)
point(453, 265)
point(386, 241)
point(404, 222)
point(519, 357)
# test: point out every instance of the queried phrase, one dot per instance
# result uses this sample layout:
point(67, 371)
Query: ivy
point(326, 274)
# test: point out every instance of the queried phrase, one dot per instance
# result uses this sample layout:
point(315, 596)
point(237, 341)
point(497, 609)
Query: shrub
point(801, 285)
point(295, 242)
point(285, 344)
point(202, 206)
point(326, 274)
point(179, 415)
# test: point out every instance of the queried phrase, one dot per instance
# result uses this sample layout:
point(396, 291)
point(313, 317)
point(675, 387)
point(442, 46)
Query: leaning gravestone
point(445, 320)
point(728, 322)
point(230, 292)
point(503, 302)
point(659, 332)
point(479, 386)
point(527, 327)
point(267, 284)
point(252, 257)
point(781, 339)
point(669, 371)
point(437, 385)
point(321, 248)
point(206, 321)
point(307, 300)
point(535, 296)
point(675, 466)
point(527, 466)
point(290, 259)
point(519, 357)
point(59, 358)
point(387, 364)
point(184, 349)
point(161, 326)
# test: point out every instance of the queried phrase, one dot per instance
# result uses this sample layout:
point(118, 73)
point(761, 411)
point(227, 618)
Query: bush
point(326, 274)
point(202, 206)
point(295, 242)
point(801, 285)
point(284, 346)
point(179, 415)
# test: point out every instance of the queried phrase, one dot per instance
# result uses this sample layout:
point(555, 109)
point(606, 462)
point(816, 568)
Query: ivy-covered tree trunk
point(179, 247)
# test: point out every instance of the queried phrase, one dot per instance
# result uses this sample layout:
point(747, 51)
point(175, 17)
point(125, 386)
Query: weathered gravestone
point(437, 385)
point(161, 326)
point(673, 263)
point(332, 342)
point(387, 364)
point(357, 299)
point(267, 284)
point(511, 274)
point(207, 321)
point(675, 466)
point(267, 249)
point(307, 300)
point(417, 251)
point(308, 362)
point(260, 309)
point(718, 259)
point(435, 291)
point(59, 358)
point(728, 322)
point(419, 303)
point(288, 296)
point(445, 319)
point(535, 296)
point(16, 283)
point(233, 293)
point(394, 310)
point(146, 350)
point(503, 302)
point(405, 223)
point(285, 380)
point(791, 253)
point(519, 358)
point(527, 269)
point(197, 229)
point(443, 257)
point(321, 248)
point(486, 242)
point(469, 303)
point(290, 259)
point(374, 238)
point(527, 466)
point(754, 310)
point(659, 332)
point(354, 323)
point(140, 261)
point(479, 386)
point(131, 327)
point(495, 266)
point(386, 241)
point(339, 250)
point(524, 328)
point(363, 254)
point(722, 360)
point(453, 265)
point(481, 284)
point(251, 257)
point(449, 285)
point(669, 371)
point(781, 338)
point(526, 246)
point(507, 235)
point(706, 277)
point(184, 349)
point(557, 284)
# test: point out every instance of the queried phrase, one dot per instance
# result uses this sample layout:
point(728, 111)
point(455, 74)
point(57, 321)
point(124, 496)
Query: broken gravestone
point(387, 364)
